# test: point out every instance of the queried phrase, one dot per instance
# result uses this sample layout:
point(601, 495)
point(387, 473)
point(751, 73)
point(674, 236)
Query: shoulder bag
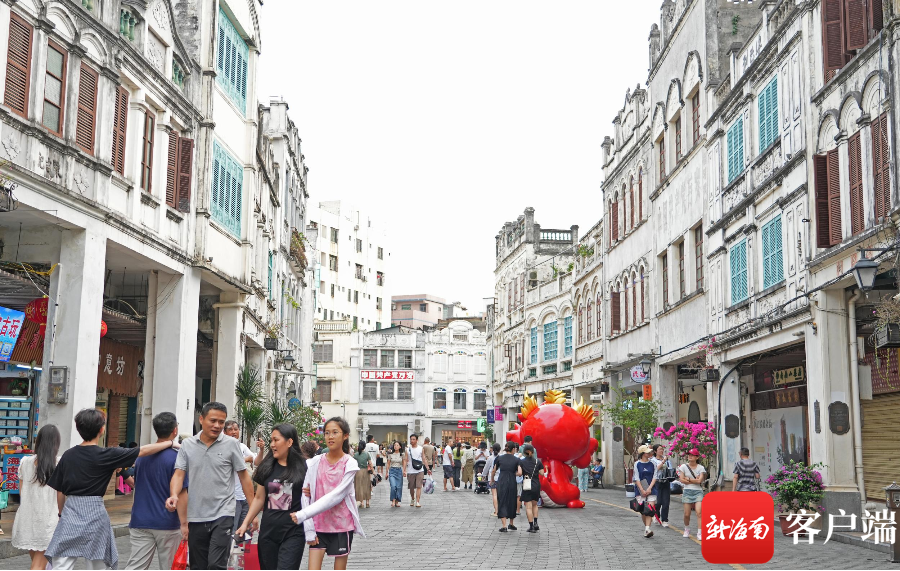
point(416, 464)
point(526, 483)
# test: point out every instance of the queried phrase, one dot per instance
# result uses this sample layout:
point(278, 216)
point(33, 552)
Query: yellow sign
point(789, 376)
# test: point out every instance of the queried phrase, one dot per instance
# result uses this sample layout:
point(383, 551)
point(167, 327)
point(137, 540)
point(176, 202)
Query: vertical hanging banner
point(10, 327)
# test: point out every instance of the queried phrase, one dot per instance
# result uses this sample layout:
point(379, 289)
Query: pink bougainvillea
point(685, 435)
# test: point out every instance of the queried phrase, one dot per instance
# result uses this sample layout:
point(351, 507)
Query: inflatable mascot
point(561, 435)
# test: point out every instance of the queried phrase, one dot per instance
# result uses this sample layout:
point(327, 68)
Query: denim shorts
point(692, 496)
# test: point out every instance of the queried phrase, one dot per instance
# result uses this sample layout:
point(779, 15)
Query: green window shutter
point(227, 190)
point(550, 340)
point(231, 62)
point(773, 261)
point(534, 344)
point(763, 105)
point(735, 149)
point(567, 334)
point(738, 263)
point(271, 296)
point(773, 110)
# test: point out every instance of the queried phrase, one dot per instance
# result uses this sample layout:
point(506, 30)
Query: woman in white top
point(38, 513)
point(692, 476)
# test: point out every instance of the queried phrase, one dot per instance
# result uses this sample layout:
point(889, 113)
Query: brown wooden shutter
point(631, 195)
point(876, 16)
point(832, 34)
point(120, 126)
point(820, 165)
point(18, 65)
point(87, 109)
point(857, 219)
point(614, 208)
point(880, 159)
point(856, 17)
point(643, 299)
point(614, 311)
point(834, 197)
point(172, 169)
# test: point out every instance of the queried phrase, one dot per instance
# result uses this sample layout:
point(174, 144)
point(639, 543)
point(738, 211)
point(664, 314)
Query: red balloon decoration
point(102, 328)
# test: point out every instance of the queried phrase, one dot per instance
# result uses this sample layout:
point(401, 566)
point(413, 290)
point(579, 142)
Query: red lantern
point(36, 312)
point(102, 328)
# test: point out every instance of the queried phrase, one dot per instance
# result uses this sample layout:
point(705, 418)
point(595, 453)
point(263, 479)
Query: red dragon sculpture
point(561, 435)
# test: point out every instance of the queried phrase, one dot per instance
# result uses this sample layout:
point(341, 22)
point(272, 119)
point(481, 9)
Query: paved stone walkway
point(454, 530)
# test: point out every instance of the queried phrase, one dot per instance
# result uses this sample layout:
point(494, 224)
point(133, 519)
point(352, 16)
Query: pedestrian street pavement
point(454, 530)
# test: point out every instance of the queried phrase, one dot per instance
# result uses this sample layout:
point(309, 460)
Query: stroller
point(481, 483)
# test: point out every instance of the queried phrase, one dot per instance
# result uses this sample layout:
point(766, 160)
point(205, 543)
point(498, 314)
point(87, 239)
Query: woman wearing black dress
point(509, 468)
point(532, 469)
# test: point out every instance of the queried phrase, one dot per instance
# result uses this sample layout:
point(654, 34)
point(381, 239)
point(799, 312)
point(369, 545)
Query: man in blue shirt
point(153, 527)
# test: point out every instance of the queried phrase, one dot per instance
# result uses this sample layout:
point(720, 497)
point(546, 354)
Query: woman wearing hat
point(692, 476)
point(532, 470)
point(645, 484)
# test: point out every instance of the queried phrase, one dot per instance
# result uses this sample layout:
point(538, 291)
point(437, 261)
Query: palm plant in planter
point(796, 488)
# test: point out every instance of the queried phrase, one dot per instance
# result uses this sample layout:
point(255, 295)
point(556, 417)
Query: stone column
point(730, 395)
point(146, 410)
point(828, 374)
point(664, 382)
point(73, 328)
point(613, 451)
point(175, 356)
point(229, 348)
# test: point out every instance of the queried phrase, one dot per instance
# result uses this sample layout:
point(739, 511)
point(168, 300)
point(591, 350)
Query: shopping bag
point(4, 499)
point(429, 485)
point(251, 556)
point(181, 556)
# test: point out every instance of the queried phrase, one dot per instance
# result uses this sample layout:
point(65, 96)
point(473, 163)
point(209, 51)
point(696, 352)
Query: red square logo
point(737, 527)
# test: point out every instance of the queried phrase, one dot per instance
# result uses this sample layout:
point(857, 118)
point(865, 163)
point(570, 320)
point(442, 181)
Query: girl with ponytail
point(329, 515)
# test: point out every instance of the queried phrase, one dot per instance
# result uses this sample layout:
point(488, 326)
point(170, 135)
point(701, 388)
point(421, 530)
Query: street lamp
point(645, 366)
point(288, 361)
point(865, 271)
point(516, 396)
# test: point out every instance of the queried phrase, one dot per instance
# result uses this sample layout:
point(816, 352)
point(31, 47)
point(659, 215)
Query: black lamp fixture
point(516, 396)
point(288, 361)
point(645, 366)
point(865, 271)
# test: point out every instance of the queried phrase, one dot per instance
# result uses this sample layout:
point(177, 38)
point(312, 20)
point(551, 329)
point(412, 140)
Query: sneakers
point(503, 529)
point(511, 527)
point(412, 503)
point(665, 524)
point(418, 505)
point(648, 533)
point(687, 532)
point(699, 538)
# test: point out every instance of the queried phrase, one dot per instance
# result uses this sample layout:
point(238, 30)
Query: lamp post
point(865, 271)
point(516, 396)
point(646, 364)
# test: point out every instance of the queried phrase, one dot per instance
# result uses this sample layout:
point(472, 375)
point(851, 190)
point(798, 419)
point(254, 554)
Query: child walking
point(329, 515)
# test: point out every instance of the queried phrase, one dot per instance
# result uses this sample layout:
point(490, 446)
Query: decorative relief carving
point(763, 170)
point(81, 182)
point(156, 53)
point(161, 15)
point(49, 166)
point(11, 146)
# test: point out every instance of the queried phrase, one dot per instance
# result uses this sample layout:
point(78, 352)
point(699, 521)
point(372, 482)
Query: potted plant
point(795, 487)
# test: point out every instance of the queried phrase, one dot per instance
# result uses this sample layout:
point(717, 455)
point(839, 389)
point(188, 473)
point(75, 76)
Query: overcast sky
point(444, 120)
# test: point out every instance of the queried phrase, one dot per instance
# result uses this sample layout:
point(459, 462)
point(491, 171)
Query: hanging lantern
point(102, 328)
point(36, 312)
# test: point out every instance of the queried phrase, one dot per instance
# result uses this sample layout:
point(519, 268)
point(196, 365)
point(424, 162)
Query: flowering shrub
point(685, 435)
point(796, 486)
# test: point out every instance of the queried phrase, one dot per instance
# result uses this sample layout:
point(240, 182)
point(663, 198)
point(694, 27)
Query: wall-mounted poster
point(779, 436)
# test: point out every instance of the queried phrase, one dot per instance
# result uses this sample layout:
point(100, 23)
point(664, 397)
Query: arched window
point(439, 399)
point(631, 192)
point(590, 309)
point(459, 399)
point(599, 322)
point(640, 196)
point(634, 289)
point(625, 212)
point(580, 324)
point(614, 219)
point(625, 304)
point(643, 298)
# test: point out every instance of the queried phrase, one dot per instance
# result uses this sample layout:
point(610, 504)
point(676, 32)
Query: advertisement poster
point(10, 327)
point(779, 435)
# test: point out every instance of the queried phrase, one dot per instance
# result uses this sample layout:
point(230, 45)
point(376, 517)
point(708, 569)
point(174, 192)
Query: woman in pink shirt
point(329, 515)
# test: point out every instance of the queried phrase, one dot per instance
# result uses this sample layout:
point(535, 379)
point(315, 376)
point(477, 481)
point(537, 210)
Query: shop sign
point(10, 327)
point(839, 417)
point(118, 366)
point(638, 375)
point(498, 414)
point(387, 375)
point(789, 376)
point(490, 415)
point(464, 424)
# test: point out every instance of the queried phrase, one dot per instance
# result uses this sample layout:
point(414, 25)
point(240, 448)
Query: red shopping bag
point(251, 556)
point(181, 556)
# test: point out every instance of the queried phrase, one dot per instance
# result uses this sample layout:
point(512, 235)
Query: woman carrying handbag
point(646, 488)
point(665, 476)
point(532, 470)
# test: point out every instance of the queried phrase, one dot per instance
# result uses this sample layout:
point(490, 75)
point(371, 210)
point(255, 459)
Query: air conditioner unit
point(418, 426)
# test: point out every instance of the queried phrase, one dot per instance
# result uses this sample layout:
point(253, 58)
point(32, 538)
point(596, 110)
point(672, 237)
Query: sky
point(443, 120)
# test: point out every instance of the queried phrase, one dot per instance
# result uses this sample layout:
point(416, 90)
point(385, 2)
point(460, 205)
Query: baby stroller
point(481, 483)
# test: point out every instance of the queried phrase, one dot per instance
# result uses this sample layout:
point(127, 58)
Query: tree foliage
point(637, 416)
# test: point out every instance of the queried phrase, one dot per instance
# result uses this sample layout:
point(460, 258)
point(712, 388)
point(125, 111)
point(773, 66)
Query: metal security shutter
point(881, 443)
point(123, 420)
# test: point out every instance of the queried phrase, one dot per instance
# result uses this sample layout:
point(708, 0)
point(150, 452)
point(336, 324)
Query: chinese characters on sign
point(788, 376)
point(737, 527)
point(11, 472)
point(10, 327)
point(498, 414)
point(118, 367)
point(388, 375)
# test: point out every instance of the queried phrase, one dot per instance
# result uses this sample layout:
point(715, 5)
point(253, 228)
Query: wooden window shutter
point(634, 302)
point(185, 167)
point(880, 159)
point(857, 219)
point(631, 194)
point(614, 311)
point(833, 34)
point(834, 197)
point(643, 299)
point(18, 65)
point(876, 16)
point(172, 169)
point(614, 208)
point(857, 19)
point(640, 197)
point(120, 126)
point(820, 165)
point(87, 109)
